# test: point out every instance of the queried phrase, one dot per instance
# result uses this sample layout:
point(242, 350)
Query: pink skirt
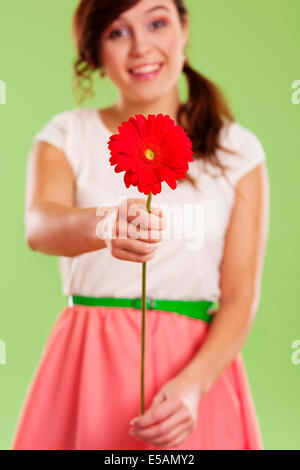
point(86, 387)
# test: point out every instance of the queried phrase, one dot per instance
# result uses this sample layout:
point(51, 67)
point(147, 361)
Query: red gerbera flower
point(150, 151)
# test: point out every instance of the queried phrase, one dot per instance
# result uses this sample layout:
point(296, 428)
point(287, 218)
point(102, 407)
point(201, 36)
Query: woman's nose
point(140, 43)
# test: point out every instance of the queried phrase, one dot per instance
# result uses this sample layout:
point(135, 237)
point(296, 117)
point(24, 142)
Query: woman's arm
point(177, 401)
point(241, 273)
point(52, 224)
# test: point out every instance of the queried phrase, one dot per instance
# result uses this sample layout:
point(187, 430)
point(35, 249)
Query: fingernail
point(133, 421)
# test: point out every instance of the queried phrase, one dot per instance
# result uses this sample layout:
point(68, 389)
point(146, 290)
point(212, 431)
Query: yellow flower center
point(149, 153)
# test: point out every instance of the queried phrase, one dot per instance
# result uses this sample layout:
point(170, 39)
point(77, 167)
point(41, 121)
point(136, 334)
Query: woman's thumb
point(159, 398)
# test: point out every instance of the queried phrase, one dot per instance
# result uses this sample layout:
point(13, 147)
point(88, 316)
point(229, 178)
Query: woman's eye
point(115, 33)
point(159, 22)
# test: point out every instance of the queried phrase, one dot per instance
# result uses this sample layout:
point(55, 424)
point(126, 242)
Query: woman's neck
point(122, 110)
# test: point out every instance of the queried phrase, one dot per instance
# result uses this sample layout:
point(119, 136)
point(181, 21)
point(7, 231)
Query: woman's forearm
point(225, 337)
point(60, 230)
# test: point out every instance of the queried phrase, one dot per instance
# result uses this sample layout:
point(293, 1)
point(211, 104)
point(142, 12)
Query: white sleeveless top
point(187, 261)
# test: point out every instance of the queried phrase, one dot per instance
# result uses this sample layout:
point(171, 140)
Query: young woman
point(86, 388)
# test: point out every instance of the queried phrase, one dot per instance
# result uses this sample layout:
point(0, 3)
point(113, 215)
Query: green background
point(250, 48)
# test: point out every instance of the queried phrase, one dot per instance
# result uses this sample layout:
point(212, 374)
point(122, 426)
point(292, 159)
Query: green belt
point(191, 308)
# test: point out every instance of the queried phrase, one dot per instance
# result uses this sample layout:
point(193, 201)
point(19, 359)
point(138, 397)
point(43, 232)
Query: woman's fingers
point(181, 438)
point(136, 230)
point(140, 217)
point(157, 210)
point(125, 231)
point(130, 256)
point(137, 246)
point(176, 436)
point(167, 431)
point(159, 412)
point(144, 235)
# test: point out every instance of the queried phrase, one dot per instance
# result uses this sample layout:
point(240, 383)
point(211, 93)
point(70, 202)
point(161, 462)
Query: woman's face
point(149, 33)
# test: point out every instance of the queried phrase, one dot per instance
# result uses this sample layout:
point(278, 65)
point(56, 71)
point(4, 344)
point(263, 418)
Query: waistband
point(191, 308)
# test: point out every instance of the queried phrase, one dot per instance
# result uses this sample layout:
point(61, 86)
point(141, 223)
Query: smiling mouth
point(146, 73)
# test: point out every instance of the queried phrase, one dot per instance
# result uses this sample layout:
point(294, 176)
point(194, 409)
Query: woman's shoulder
point(237, 136)
point(69, 116)
point(245, 149)
point(65, 130)
point(66, 123)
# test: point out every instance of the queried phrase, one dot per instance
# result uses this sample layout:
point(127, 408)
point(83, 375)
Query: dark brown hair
point(206, 108)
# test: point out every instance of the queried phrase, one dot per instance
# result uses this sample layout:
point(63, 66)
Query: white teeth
point(146, 69)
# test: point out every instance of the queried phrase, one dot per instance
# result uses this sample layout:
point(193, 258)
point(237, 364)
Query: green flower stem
point(144, 320)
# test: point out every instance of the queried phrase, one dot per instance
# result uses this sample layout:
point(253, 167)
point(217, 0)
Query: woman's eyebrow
point(148, 11)
point(157, 8)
